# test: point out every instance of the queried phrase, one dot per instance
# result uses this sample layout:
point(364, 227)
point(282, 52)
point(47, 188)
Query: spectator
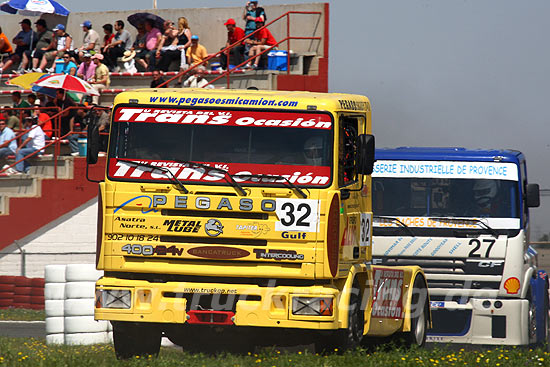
point(45, 119)
point(108, 37)
point(196, 53)
point(128, 61)
point(33, 102)
point(86, 70)
point(116, 48)
point(62, 42)
point(19, 102)
point(90, 42)
point(251, 13)
point(167, 49)
point(34, 141)
point(139, 46)
point(6, 134)
point(69, 67)
point(77, 126)
point(43, 40)
point(5, 45)
point(197, 80)
point(152, 38)
point(101, 78)
point(262, 40)
point(157, 80)
point(104, 125)
point(235, 54)
point(24, 41)
point(184, 41)
point(63, 101)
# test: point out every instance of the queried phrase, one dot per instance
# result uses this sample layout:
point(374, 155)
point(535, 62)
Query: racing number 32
point(477, 246)
point(297, 215)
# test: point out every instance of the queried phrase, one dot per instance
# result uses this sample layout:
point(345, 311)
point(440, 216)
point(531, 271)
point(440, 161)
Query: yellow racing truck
point(237, 218)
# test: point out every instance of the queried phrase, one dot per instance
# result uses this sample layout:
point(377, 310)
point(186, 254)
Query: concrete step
point(44, 166)
point(20, 186)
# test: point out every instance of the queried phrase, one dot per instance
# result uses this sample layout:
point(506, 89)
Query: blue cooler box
point(276, 60)
point(58, 66)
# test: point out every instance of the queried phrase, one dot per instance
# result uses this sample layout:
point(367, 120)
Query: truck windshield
point(294, 145)
point(431, 197)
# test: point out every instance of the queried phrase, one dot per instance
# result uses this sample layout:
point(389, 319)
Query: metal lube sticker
point(297, 215)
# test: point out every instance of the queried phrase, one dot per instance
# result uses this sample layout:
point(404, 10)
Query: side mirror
point(532, 196)
point(92, 151)
point(365, 154)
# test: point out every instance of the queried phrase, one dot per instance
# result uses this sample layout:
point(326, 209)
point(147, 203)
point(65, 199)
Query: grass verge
point(21, 314)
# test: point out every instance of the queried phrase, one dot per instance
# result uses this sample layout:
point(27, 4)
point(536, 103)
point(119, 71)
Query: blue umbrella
point(34, 7)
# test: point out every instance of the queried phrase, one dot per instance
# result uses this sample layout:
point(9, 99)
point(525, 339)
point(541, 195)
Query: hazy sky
point(472, 73)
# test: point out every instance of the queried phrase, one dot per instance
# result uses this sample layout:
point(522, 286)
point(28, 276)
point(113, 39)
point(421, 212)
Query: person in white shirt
point(33, 141)
point(197, 80)
point(7, 147)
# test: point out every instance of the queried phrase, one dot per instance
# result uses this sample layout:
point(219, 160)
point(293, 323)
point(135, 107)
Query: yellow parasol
point(25, 81)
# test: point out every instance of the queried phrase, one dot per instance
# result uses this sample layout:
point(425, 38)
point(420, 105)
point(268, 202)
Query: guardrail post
point(23, 258)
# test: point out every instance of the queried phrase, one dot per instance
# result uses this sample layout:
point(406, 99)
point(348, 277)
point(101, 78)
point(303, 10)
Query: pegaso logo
point(213, 228)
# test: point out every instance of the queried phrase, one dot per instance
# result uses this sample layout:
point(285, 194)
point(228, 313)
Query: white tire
point(86, 338)
point(79, 290)
point(54, 291)
point(54, 273)
point(84, 324)
point(55, 339)
point(79, 307)
point(82, 273)
point(165, 342)
point(54, 308)
point(109, 327)
point(110, 337)
point(55, 325)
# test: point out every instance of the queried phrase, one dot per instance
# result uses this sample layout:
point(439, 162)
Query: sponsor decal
point(253, 229)
point(148, 250)
point(451, 223)
point(218, 252)
point(226, 118)
point(300, 175)
point(347, 104)
point(141, 201)
point(387, 293)
point(446, 169)
point(294, 235)
point(512, 285)
point(213, 228)
point(278, 254)
point(186, 226)
point(437, 304)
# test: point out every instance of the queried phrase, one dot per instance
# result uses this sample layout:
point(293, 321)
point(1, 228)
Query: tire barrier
point(72, 298)
point(21, 292)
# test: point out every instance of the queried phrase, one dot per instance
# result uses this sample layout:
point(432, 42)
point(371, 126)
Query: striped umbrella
point(68, 83)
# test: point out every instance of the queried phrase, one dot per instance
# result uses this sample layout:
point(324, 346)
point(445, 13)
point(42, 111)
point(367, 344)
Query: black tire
point(350, 337)
point(419, 316)
point(133, 339)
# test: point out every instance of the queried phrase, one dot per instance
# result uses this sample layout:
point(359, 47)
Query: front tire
point(419, 315)
point(135, 339)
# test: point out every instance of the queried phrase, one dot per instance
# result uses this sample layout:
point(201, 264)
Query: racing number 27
point(477, 246)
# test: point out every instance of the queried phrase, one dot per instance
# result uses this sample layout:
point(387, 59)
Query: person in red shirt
point(262, 40)
point(236, 54)
point(45, 116)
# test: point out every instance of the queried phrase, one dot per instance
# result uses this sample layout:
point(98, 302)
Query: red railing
point(228, 72)
point(56, 139)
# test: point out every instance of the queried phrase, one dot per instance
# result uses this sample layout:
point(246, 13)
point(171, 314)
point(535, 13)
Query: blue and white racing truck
point(463, 216)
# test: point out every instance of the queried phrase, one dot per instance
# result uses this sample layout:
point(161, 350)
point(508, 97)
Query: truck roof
point(449, 154)
point(177, 97)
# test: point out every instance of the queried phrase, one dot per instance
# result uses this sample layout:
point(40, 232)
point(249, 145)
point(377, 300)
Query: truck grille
point(214, 214)
point(214, 241)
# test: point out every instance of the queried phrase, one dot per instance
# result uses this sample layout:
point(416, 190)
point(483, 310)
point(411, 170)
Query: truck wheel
point(532, 317)
point(419, 315)
point(351, 337)
point(132, 340)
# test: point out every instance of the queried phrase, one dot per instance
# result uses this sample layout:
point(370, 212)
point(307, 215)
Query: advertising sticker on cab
point(297, 215)
point(387, 293)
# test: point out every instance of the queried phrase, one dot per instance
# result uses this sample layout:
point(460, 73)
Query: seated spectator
point(86, 69)
point(262, 40)
point(41, 44)
point(5, 45)
point(128, 61)
point(33, 141)
point(167, 49)
point(63, 101)
point(69, 67)
point(62, 42)
point(235, 54)
point(252, 12)
point(7, 147)
point(77, 126)
point(118, 46)
point(197, 80)
point(104, 125)
point(45, 119)
point(152, 37)
point(33, 102)
point(23, 41)
point(139, 45)
point(157, 80)
point(196, 53)
point(90, 43)
point(184, 41)
point(108, 37)
point(101, 78)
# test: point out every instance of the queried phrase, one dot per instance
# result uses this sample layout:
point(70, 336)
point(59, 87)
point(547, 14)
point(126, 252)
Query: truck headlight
point(312, 306)
point(113, 298)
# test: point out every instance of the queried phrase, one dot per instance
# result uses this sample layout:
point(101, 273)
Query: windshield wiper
point(476, 221)
point(169, 173)
point(300, 191)
point(394, 219)
point(234, 183)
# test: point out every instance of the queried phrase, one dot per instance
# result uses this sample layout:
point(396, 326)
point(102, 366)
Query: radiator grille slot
point(214, 214)
point(214, 241)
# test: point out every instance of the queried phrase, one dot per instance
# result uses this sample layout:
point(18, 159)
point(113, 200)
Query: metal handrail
point(228, 72)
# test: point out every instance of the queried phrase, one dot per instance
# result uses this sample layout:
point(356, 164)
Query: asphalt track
point(23, 329)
